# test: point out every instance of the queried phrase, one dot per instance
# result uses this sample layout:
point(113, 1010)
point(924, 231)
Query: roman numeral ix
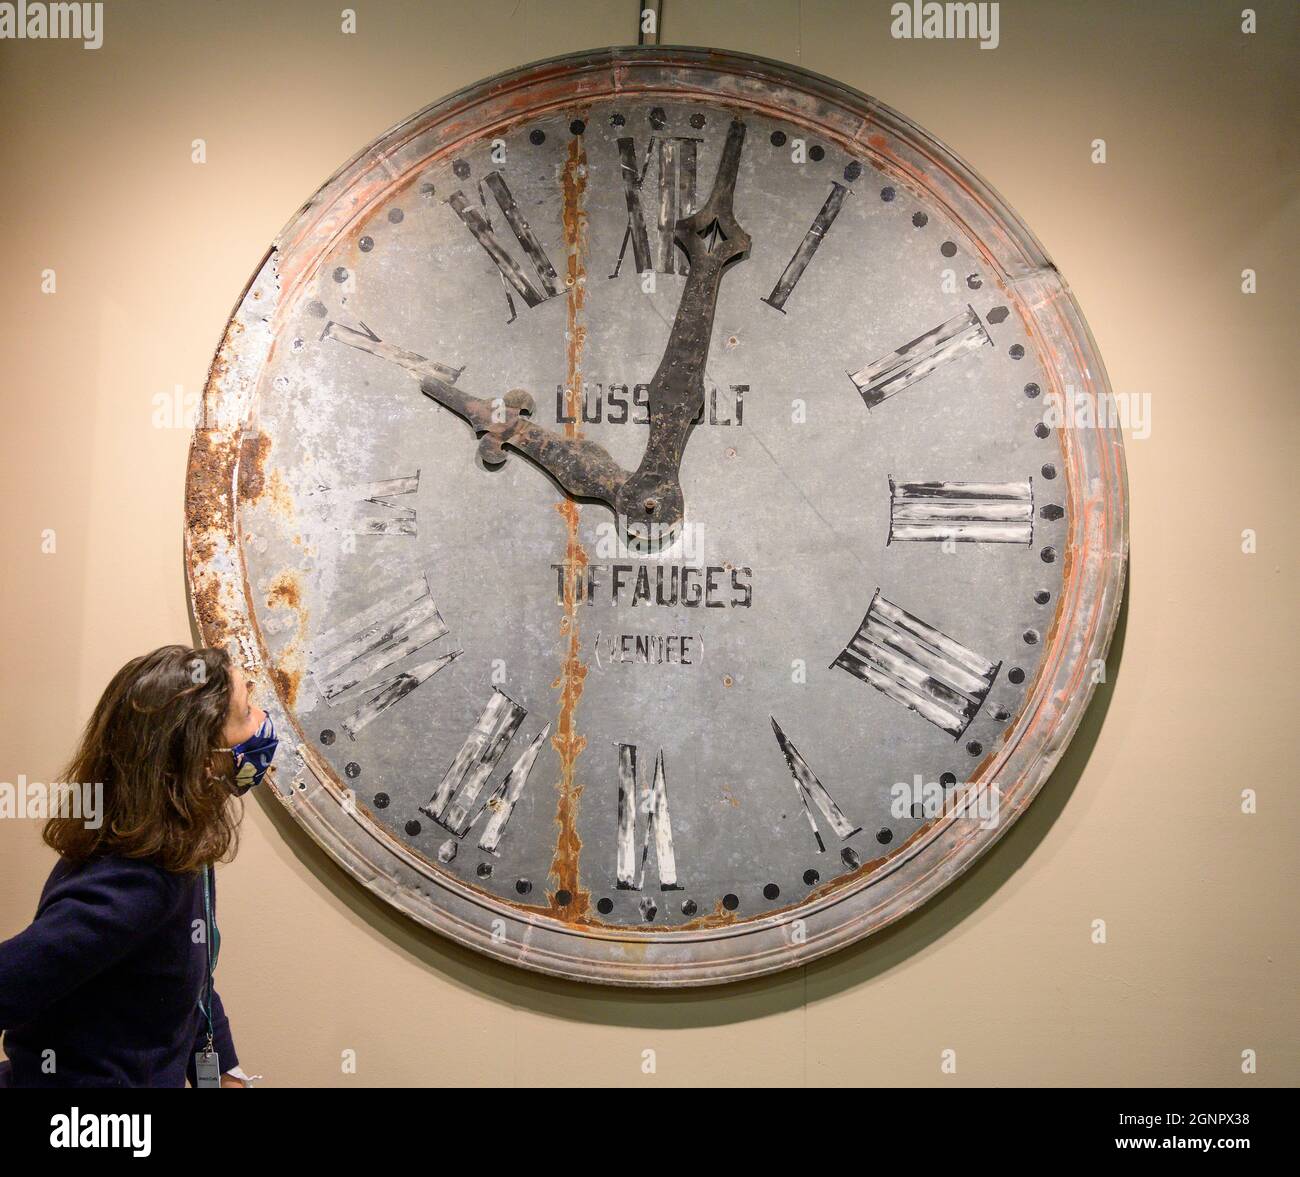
point(368, 508)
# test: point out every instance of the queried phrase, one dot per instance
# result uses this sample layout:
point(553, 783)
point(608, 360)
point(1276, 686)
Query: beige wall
point(1142, 824)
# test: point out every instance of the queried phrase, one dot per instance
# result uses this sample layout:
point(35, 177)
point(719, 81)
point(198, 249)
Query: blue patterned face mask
point(253, 757)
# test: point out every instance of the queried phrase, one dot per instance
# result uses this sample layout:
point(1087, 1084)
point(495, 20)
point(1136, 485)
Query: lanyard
point(213, 940)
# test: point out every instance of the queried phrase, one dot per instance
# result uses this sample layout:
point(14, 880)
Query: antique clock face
point(652, 490)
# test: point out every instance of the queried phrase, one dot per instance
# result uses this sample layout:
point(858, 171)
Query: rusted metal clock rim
point(1062, 338)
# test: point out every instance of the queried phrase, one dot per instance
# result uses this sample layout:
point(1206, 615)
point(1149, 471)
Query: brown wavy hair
point(154, 742)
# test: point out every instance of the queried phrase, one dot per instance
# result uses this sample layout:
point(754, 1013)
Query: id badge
point(207, 1071)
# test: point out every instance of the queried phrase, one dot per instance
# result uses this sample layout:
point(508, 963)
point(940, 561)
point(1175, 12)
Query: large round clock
point(671, 504)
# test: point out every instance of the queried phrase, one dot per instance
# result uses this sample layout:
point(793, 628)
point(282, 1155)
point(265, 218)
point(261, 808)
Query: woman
point(109, 986)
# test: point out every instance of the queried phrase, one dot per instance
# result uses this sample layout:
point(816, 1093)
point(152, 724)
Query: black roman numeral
point(547, 283)
point(676, 196)
point(812, 239)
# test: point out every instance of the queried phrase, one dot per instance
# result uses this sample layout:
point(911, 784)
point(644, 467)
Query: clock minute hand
point(712, 239)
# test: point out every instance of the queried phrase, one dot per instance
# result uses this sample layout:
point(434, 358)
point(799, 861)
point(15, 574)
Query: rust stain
point(719, 917)
point(286, 683)
point(213, 460)
point(566, 741)
point(278, 494)
point(252, 466)
point(285, 591)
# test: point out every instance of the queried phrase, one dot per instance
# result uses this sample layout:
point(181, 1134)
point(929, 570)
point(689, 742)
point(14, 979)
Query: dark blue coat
point(108, 978)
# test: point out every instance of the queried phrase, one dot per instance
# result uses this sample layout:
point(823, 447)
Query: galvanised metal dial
point(640, 481)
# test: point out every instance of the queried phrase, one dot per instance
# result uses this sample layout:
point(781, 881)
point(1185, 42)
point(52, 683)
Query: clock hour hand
point(712, 239)
point(583, 469)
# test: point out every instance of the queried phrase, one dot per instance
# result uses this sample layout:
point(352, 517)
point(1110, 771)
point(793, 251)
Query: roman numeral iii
point(965, 512)
point(918, 666)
